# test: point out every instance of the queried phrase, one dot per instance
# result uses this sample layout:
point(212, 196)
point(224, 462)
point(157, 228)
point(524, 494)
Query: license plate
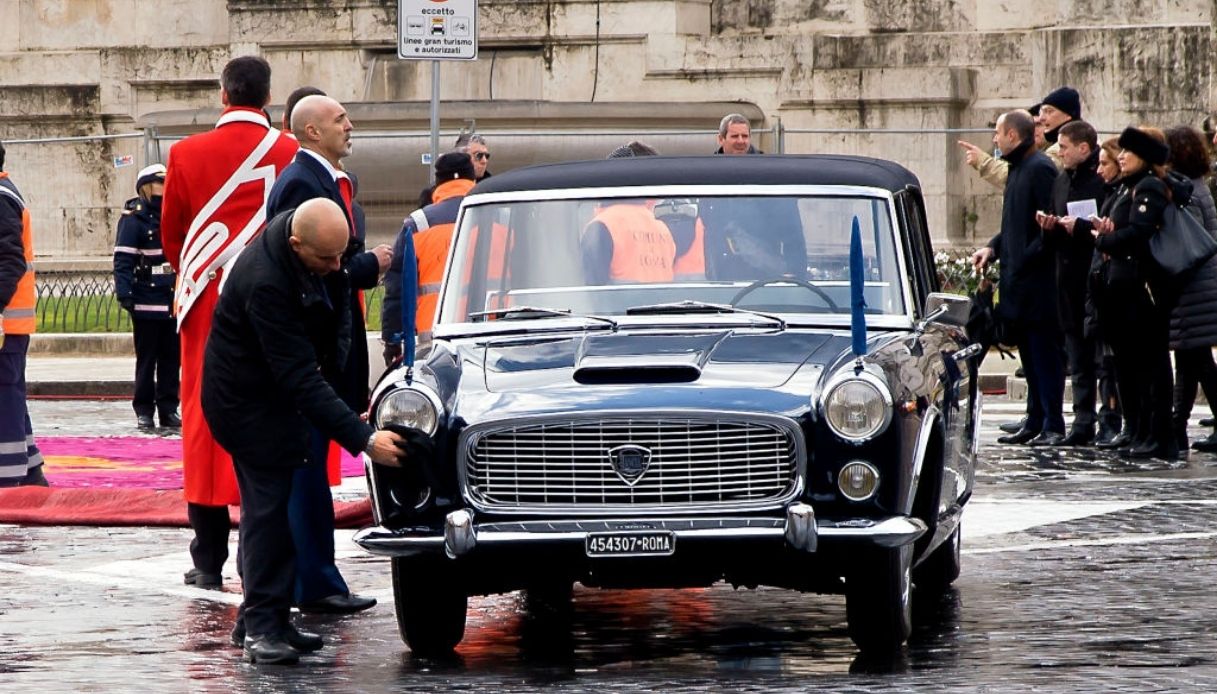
point(631, 544)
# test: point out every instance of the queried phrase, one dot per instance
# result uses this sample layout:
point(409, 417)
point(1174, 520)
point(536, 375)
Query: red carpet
point(125, 480)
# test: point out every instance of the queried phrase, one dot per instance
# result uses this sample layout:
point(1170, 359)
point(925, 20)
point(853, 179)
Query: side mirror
point(949, 309)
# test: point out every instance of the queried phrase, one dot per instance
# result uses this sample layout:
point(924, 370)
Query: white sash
point(211, 249)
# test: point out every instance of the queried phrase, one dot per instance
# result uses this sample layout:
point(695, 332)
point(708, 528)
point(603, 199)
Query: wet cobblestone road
point(1081, 573)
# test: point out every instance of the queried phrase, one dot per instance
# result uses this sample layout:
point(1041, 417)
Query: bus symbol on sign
point(437, 29)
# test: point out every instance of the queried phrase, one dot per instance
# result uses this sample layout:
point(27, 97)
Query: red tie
point(345, 190)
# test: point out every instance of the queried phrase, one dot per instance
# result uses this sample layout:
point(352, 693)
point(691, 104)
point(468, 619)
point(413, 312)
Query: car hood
point(713, 358)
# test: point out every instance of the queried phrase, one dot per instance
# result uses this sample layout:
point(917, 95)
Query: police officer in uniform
point(144, 282)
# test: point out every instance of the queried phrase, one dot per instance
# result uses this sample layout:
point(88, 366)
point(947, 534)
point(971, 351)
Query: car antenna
point(857, 297)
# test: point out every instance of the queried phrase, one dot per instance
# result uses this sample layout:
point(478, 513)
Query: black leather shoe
point(1013, 427)
point(1047, 438)
point(1020, 437)
point(1120, 440)
point(303, 641)
point(1105, 437)
point(171, 420)
point(144, 422)
point(270, 649)
point(1083, 436)
point(202, 579)
point(1152, 449)
point(1207, 444)
point(338, 604)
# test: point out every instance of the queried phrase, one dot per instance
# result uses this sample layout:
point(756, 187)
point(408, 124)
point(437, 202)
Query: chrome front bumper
point(800, 530)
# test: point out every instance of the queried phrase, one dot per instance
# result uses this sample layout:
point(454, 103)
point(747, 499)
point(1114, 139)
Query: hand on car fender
point(387, 449)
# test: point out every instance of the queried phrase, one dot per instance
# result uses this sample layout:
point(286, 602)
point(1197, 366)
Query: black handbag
point(1182, 243)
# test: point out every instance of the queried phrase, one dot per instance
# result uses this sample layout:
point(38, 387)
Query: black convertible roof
point(759, 169)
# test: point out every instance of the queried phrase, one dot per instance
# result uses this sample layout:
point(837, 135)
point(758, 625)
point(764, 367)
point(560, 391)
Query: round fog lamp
point(858, 481)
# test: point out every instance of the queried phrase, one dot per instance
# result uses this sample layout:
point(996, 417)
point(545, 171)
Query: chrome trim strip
point(674, 191)
point(931, 416)
point(468, 436)
point(843, 191)
point(895, 531)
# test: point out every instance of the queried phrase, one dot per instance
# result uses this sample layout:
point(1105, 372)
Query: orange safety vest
point(18, 315)
point(431, 250)
point(643, 249)
point(692, 265)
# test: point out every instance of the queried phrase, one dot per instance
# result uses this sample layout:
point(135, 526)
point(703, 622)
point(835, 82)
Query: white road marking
point(986, 519)
point(1136, 539)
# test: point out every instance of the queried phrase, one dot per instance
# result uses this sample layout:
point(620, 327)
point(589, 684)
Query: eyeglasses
point(482, 156)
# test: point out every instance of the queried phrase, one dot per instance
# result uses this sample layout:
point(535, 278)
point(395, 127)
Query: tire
point(430, 604)
point(878, 600)
point(941, 568)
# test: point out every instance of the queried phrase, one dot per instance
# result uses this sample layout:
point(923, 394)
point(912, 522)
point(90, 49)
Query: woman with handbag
point(1193, 322)
point(1135, 318)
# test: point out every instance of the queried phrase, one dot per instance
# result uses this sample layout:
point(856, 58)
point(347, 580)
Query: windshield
point(606, 256)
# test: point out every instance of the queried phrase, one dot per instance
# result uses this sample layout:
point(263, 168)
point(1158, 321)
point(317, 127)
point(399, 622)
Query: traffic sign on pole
point(437, 29)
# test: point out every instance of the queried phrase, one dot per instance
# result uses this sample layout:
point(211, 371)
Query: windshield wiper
point(688, 306)
point(531, 312)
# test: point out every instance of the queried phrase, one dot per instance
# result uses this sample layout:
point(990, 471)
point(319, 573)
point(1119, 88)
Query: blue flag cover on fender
point(409, 299)
point(857, 299)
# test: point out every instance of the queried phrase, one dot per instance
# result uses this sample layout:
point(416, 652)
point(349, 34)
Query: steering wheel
point(786, 280)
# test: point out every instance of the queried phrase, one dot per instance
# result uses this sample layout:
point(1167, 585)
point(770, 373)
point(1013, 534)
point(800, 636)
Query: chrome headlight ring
point(857, 407)
point(415, 406)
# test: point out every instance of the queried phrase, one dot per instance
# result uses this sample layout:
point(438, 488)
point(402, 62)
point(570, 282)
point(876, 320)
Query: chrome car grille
point(675, 463)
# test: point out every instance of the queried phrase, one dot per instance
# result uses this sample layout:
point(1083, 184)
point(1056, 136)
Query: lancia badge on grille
point(630, 462)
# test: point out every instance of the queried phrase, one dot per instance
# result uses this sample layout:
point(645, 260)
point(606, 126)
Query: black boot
point(1079, 436)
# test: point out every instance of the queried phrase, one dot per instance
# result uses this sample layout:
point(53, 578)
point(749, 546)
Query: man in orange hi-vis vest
point(20, 461)
point(215, 204)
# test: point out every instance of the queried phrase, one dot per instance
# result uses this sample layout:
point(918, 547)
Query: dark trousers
point(267, 553)
point(209, 547)
point(1083, 369)
point(1110, 416)
point(157, 362)
point(20, 459)
point(1143, 371)
point(311, 516)
point(1040, 353)
point(1193, 367)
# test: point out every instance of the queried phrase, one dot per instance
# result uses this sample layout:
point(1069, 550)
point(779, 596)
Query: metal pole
point(434, 118)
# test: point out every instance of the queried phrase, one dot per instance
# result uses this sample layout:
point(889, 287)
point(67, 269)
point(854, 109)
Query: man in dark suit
point(1027, 280)
point(280, 334)
point(321, 126)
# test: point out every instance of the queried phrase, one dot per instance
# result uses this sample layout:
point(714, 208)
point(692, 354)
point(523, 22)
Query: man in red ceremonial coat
point(214, 205)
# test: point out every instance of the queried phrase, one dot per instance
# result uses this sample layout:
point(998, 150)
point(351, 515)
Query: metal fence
point(84, 301)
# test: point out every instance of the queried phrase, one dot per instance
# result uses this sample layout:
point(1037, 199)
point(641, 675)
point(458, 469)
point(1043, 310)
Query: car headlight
point(858, 408)
point(409, 408)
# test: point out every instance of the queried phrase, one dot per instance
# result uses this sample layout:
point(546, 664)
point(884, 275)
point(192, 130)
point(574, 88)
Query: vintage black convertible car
point(673, 371)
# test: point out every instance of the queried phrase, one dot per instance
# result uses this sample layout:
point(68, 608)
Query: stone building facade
point(849, 71)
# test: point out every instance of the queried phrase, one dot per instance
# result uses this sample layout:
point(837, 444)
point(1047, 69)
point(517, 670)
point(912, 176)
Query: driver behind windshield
point(753, 239)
